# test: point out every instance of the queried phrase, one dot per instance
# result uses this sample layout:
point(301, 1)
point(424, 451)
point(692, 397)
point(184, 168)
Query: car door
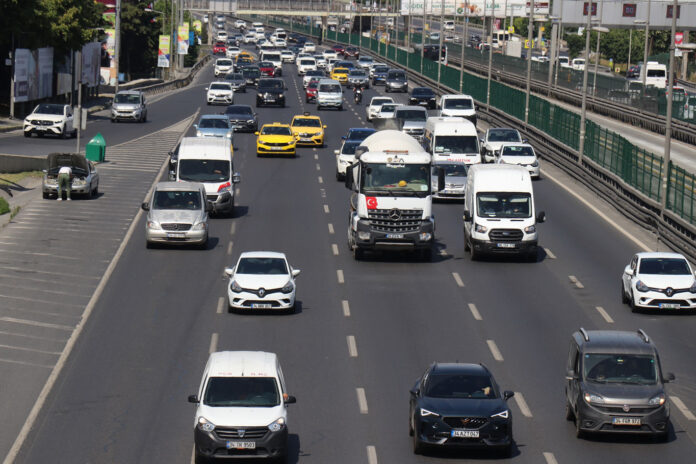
point(628, 275)
point(574, 375)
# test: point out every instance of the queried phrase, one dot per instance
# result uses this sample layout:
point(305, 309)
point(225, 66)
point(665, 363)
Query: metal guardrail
point(176, 83)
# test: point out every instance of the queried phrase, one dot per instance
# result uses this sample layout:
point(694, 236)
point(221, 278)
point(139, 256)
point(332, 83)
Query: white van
point(305, 64)
point(208, 160)
point(499, 213)
point(274, 57)
point(241, 408)
point(329, 94)
point(656, 74)
point(578, 64)
point(452, 139)
point(458, 105)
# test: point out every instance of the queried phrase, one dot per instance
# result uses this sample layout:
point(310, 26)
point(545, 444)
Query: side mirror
point(669, 378)
point(256, 133)
point(415, 392)
point(229, 271)
point(349, 178)
point(507, 394)
point(324, 126)
point(195, 126)
point(289, 399)
point(524, 141)
point(295, 272)
point(208, 207)
point(628, 270)
point(172, 175)
point(336, 152)
point(467, 215)
point(193, 399)
point(541, 217)
point(571, 375)
point(206, 89)
point(236, 178)
point(45, 171)
point(145, 206)
point(440, 179)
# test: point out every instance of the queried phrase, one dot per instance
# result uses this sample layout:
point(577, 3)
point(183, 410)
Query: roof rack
point(585, 335)
point(643, 335)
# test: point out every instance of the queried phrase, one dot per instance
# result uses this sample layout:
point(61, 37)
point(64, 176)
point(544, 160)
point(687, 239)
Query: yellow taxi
point(247, 54)
point(244, 59)
point(275, 139)
point(340, 74)
point(308, 129)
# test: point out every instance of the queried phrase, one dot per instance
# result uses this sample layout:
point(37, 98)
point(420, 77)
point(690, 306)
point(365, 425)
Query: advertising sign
point(108, 72)
point(163, 52)
point(476, 8)
point(183, 39)
point(91, 56)
point(198, 26)
point(45, 73)
point(21, 74)
point(625, 13)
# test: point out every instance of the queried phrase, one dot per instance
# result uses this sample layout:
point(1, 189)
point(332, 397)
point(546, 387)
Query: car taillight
point(224, 186)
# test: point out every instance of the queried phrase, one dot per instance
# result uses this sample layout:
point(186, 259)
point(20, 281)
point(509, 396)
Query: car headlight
point(535, 164)
point(592, 398)
point(641, 287)
point(250, 121)
point(692, 289)
point(480, 229)
point(502, 414)
point(228, 135)
point(199, 133)
point(79, 182)
point(153, 225)
point(657, 400)
point(530, 230)
point(277, 425)
point(200, 226)
point(205, 425)
point(288, 288)
point(234, 286)
point(425, 413)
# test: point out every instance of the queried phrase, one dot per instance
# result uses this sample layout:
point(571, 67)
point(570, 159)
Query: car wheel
point(418, 447)
point(27, 134)
point(145, 117)
point(46, 196)
point(506, 451)
point(149, 245)
point(661, 437)
point(64, 134)
point(340, 108)
point(200, 459)
point(569, 414)
point(579, 433)
point(624, 298)
point(386, 89)
point(475, 255)
point(426, 255)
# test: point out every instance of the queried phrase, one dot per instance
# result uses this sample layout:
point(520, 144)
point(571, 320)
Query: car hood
point(413, 124)
point(183, 216)
point(240, 117)
point(524, 160)
point(75, 161)
point(253, 281)
point(261, 90)
point(125, 106)
point(664, 281)
point(464, 406)
point(241, 417)
point(621, 394)
point(276, 138)
point(46, 117)
point(306, 130)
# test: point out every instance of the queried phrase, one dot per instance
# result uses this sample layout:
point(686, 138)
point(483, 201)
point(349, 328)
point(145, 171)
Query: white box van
point(274, 57)
point(499, 211)
point(452, 139)
point(329, 94)
point(242, 408)
point(458, 105)
point(208, 160)
point(656, 74)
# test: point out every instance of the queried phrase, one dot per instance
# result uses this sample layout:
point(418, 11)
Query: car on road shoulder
point(52, 119)
point(659, 281)
point(84, 181)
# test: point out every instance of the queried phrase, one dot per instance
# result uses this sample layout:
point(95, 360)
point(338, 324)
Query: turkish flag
point(371, 202)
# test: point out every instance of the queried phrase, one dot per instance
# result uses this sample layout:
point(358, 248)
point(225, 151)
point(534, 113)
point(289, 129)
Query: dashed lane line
point(371, 455)
point(497, 355)
point(475, 312)
point(682, 408)
point(213, 343)
point(318, 167)
point(331, 228)
point(334, 249)
point(457, 279)
point(352, 346)
point(574, 280)
point(220, 305)
point(522, 404)
point(233, 228)
point(320, 179)
point(316, 156)
point(326, 209)
point(229, 248)
point(550, 458)
point(362, 400)
point(346, 308)
point(604, 314)
point(339, 275)
point(549, 253)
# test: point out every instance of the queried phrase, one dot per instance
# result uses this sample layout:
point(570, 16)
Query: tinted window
point(422, 92)
point(396, 177)
point(306, 122)
point(234, 77)
point(396, 75)
point(262, 266)
point(359, 134)
point(176, 200)
point(122, 98)
point(381, 69)
point(271, 84)
point(241, 391)
point(196, 170)
point(625, 369)
point(275, 130)
point(459, 104)
point(656, 73)
point(307, 62)
point(224, 62)
point(48, 108)
point(220, 87)
point(214, 123)
point(349, 148)
point(411, 115)
point(239, 110)
point(455, 144)
point(504, 205)
point(460, 386)
point(503, 135)
point(453, 170)
point(330, 88)
point(518, 151)
point(664, 266)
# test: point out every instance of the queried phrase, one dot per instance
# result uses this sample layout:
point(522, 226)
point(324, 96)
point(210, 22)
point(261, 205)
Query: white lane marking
point(229, 247)
point(33, 350)
point(599, 213)
point(23, 363)
point(320, 179)
point(550, 458)
point(362, 400)
point(213, 343)
point(522, 404)
point(233, 228)
point(326, 209)
point(193, 455)
point(316, 156)
point(352, 346)
point(549, 253)
point(334, 249)
point(574, 280)
point(604, 314)
point(475, 312)
point(682, 407)
point(494, 350)
point(318, 167)
point(371, 455)
point(346, 308)
point(339, 275)
point(36, 324)
point(236, 192)
point(220, 305)
point(457, 279)
point(331, 229)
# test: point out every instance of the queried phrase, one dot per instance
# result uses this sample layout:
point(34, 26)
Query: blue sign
point(191, 37)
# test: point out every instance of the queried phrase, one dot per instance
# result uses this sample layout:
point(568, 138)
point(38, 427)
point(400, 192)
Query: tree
point(139, 40)
point(69, 24)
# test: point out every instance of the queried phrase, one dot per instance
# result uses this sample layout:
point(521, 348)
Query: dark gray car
point(396, 81)
point(237, 81)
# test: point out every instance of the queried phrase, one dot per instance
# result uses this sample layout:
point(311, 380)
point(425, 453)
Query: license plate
point(395, 235)
point(176, 235)
point(40, 128)
point(276, 148)
point(505, 245)
point(261, 305)
point(465, 433)
point(670, 305)
point(241, 445)
point(626, 421)
point(305, 139)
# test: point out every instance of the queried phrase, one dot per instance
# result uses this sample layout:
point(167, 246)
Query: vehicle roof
point(659, 254)
point(459, 368)
point(128, 92)
point(179, 186)
point(379, 97)
point(391, 140)
point(614, 342)
point(451, 125)
point(278, 124)
point(454, 95)
point(220, 82)
point(306, 116)
point(262, 254)
point(208, 147)
point(515, 144)
point(242, 364)
point(500, 178)
point(392, 156)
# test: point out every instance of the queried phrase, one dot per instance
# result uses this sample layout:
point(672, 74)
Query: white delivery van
point(274, 57)
point(241, 408)
point(499, 212)
point(458, 105)
point(329, 94)
point(452, 139)
point(656, 74)
point(208, 160)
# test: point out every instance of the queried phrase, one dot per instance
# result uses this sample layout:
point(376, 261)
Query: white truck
point(452, 139)
point(391, 204)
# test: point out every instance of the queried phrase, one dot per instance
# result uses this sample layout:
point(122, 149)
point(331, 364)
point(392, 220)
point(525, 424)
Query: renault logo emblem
point(241, 433)
point(626, 408)
point(395, 215)
point(262, 292)
point(669, 291)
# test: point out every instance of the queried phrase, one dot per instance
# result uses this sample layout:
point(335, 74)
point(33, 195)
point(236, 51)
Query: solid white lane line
point(457, 279)
point(682, 407)
point(550, 458)
point(23, 363)
point(346, 308)
point(229, 247)
point(604, 314)
point(33, 350)
point(326, 209)
point(371, 455)
point(331, 229)
point(352, 346)
point(233, 228)
point(339, 275)
point(213, 343)
point(574, 280)
point(475, 312)
point(362, 400)
point(494, 350)
point(320, 179)
point(334, 249)
point(549, 253)
point(522, 404)
point(221, 303)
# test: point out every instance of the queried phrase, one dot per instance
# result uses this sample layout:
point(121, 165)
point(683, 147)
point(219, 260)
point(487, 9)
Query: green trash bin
point(96, 149)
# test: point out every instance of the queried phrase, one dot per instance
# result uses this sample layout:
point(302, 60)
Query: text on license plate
point(626, 421)
point(276, 148)
point(465, 433)
point(505, 245)
point(261, 305)
point(670, 305)
point(241, 445)
point(176, 235)
point(395, 235)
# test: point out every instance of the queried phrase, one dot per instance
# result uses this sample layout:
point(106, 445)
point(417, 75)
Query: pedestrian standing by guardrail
point(64, 180)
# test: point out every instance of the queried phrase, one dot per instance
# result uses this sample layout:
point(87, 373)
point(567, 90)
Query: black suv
point(423, 96)
point(614, 384)
point(460, 405)
point(242, 118)
point(270, 92)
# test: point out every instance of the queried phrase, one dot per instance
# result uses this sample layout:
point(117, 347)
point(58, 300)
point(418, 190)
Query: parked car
point(85, 178)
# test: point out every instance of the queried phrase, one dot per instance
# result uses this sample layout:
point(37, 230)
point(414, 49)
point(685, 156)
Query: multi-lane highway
point(363, 331)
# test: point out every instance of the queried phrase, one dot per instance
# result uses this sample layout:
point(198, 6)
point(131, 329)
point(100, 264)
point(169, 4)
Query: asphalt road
point(122, 395)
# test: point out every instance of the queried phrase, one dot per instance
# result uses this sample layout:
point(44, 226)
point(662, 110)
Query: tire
point(505, 452)
point(339, 177)
point(64, 134)
point(532, 256)
point(426, 255)
point(358, 253)
point(569, 414)
point(46, 196)
point(113, 121)
point(661, 437)
point(27, 134)
point(475, 255)
point(145, 118)
point(579, 433)
point(198, 459)
point(340, 108)
point(418, 447)
point(149, 245)
point(624, 298)
point(632, 304)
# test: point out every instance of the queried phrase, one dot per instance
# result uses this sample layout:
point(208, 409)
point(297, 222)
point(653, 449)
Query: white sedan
point(375, 105)
point(261, 280)
point(521, 154)
point(655, 280)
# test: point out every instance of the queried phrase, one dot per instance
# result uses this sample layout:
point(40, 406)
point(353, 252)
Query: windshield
point(388, 108)
point(239, 110)
point(262, 266)
point(48, 108)
point(504, 205)
point(224, 62)
point(518, 151)
point(381, 101)
point(271, 56)
point(220, 87)
point(357, 73)
point(421, 92)
point(197, 170)
point(255, 392)
point(664, 266)
point(459, 104)
point(340, 70)
point(349, 148)
point(275, 130)
point(177, 200)
point(613, 368)
point(307, 62)
point(234, 77)
point(123, 98)
point(411, 115)
point(381, 69)
point(453, 170)
point(251, 72)
point(331, 88)
point(396, 177)
point(397, 76)
point(306, 122)
point(656, 73)
point(214, 123)
point(271, 84)
point(503, 135)
point(314, 73)
point(460, 386)
point(265, 64)
point(359, 134)
point(455, 144)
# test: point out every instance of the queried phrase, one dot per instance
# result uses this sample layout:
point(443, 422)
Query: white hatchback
point(261, 280)
point(375, 104)
point(519, 153)
point(657, 280)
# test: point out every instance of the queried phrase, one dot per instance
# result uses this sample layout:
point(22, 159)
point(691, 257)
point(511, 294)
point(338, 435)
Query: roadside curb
point(20, 198)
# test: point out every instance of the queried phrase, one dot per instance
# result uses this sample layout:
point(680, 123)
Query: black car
point(242, 118)
point(379, 74)
point(423, 96)
point(460, 406)
point(270, 91)
point(251, 74)
point(237, 80)
point(294, 38)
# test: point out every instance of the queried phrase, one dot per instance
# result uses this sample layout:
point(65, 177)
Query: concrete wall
point(20, 163)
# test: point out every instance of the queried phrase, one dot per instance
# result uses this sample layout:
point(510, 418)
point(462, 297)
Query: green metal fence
point(681, 193)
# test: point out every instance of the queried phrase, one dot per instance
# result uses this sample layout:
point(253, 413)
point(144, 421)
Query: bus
point(431, 51)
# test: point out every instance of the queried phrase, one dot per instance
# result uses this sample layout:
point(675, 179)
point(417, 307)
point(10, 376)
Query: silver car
point(129, 105)
point(85, 178)
point(455, 180)
point(177, 214)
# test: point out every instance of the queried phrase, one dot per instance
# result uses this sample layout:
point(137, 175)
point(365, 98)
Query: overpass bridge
point(318, 8)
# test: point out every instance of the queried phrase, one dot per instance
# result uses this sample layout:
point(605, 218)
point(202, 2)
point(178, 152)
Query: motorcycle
point(357, 94)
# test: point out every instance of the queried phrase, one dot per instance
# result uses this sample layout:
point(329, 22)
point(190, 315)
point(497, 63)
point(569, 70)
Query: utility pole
point(583, 110)
point(77, 115)
point(439, 48)
point(117, 42)
point(644, 68)
point(530, 39)
point(668, 117)
point(423, 35)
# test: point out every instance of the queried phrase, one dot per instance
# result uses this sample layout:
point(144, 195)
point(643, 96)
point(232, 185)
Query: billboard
point(23, 61)
point(108, 72)
point(476, 8)
point(198, 26)
point(91, 56)
point(44, 71)
point(624, 13)
point(183, 39)
point(163, 51)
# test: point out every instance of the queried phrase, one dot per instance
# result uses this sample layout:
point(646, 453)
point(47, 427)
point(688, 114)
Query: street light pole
point(583, 110)
point(554, 58)
point(490, 57)
point(117, 41)
point(530, 39)
point(423, 35)
point(644, 68)
point(463, 46)
point(439, 49)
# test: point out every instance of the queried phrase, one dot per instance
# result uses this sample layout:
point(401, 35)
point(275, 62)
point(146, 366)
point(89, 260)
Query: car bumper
point(239, 126)
point(249, 300)
point(210, 445)
point(593, 419)
point(220, 100)
point(397, 86)
point(270, 101)
point(266, 150)
point(125, 115)
point(493, 434)
point(330, 103)
point(658, 300)
point(508, 247)
point(449, 194)
point(176, 237)
point(311, 141)
point(430, 104)
point(52, 189)
point(370, 239)
point(53, 130)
